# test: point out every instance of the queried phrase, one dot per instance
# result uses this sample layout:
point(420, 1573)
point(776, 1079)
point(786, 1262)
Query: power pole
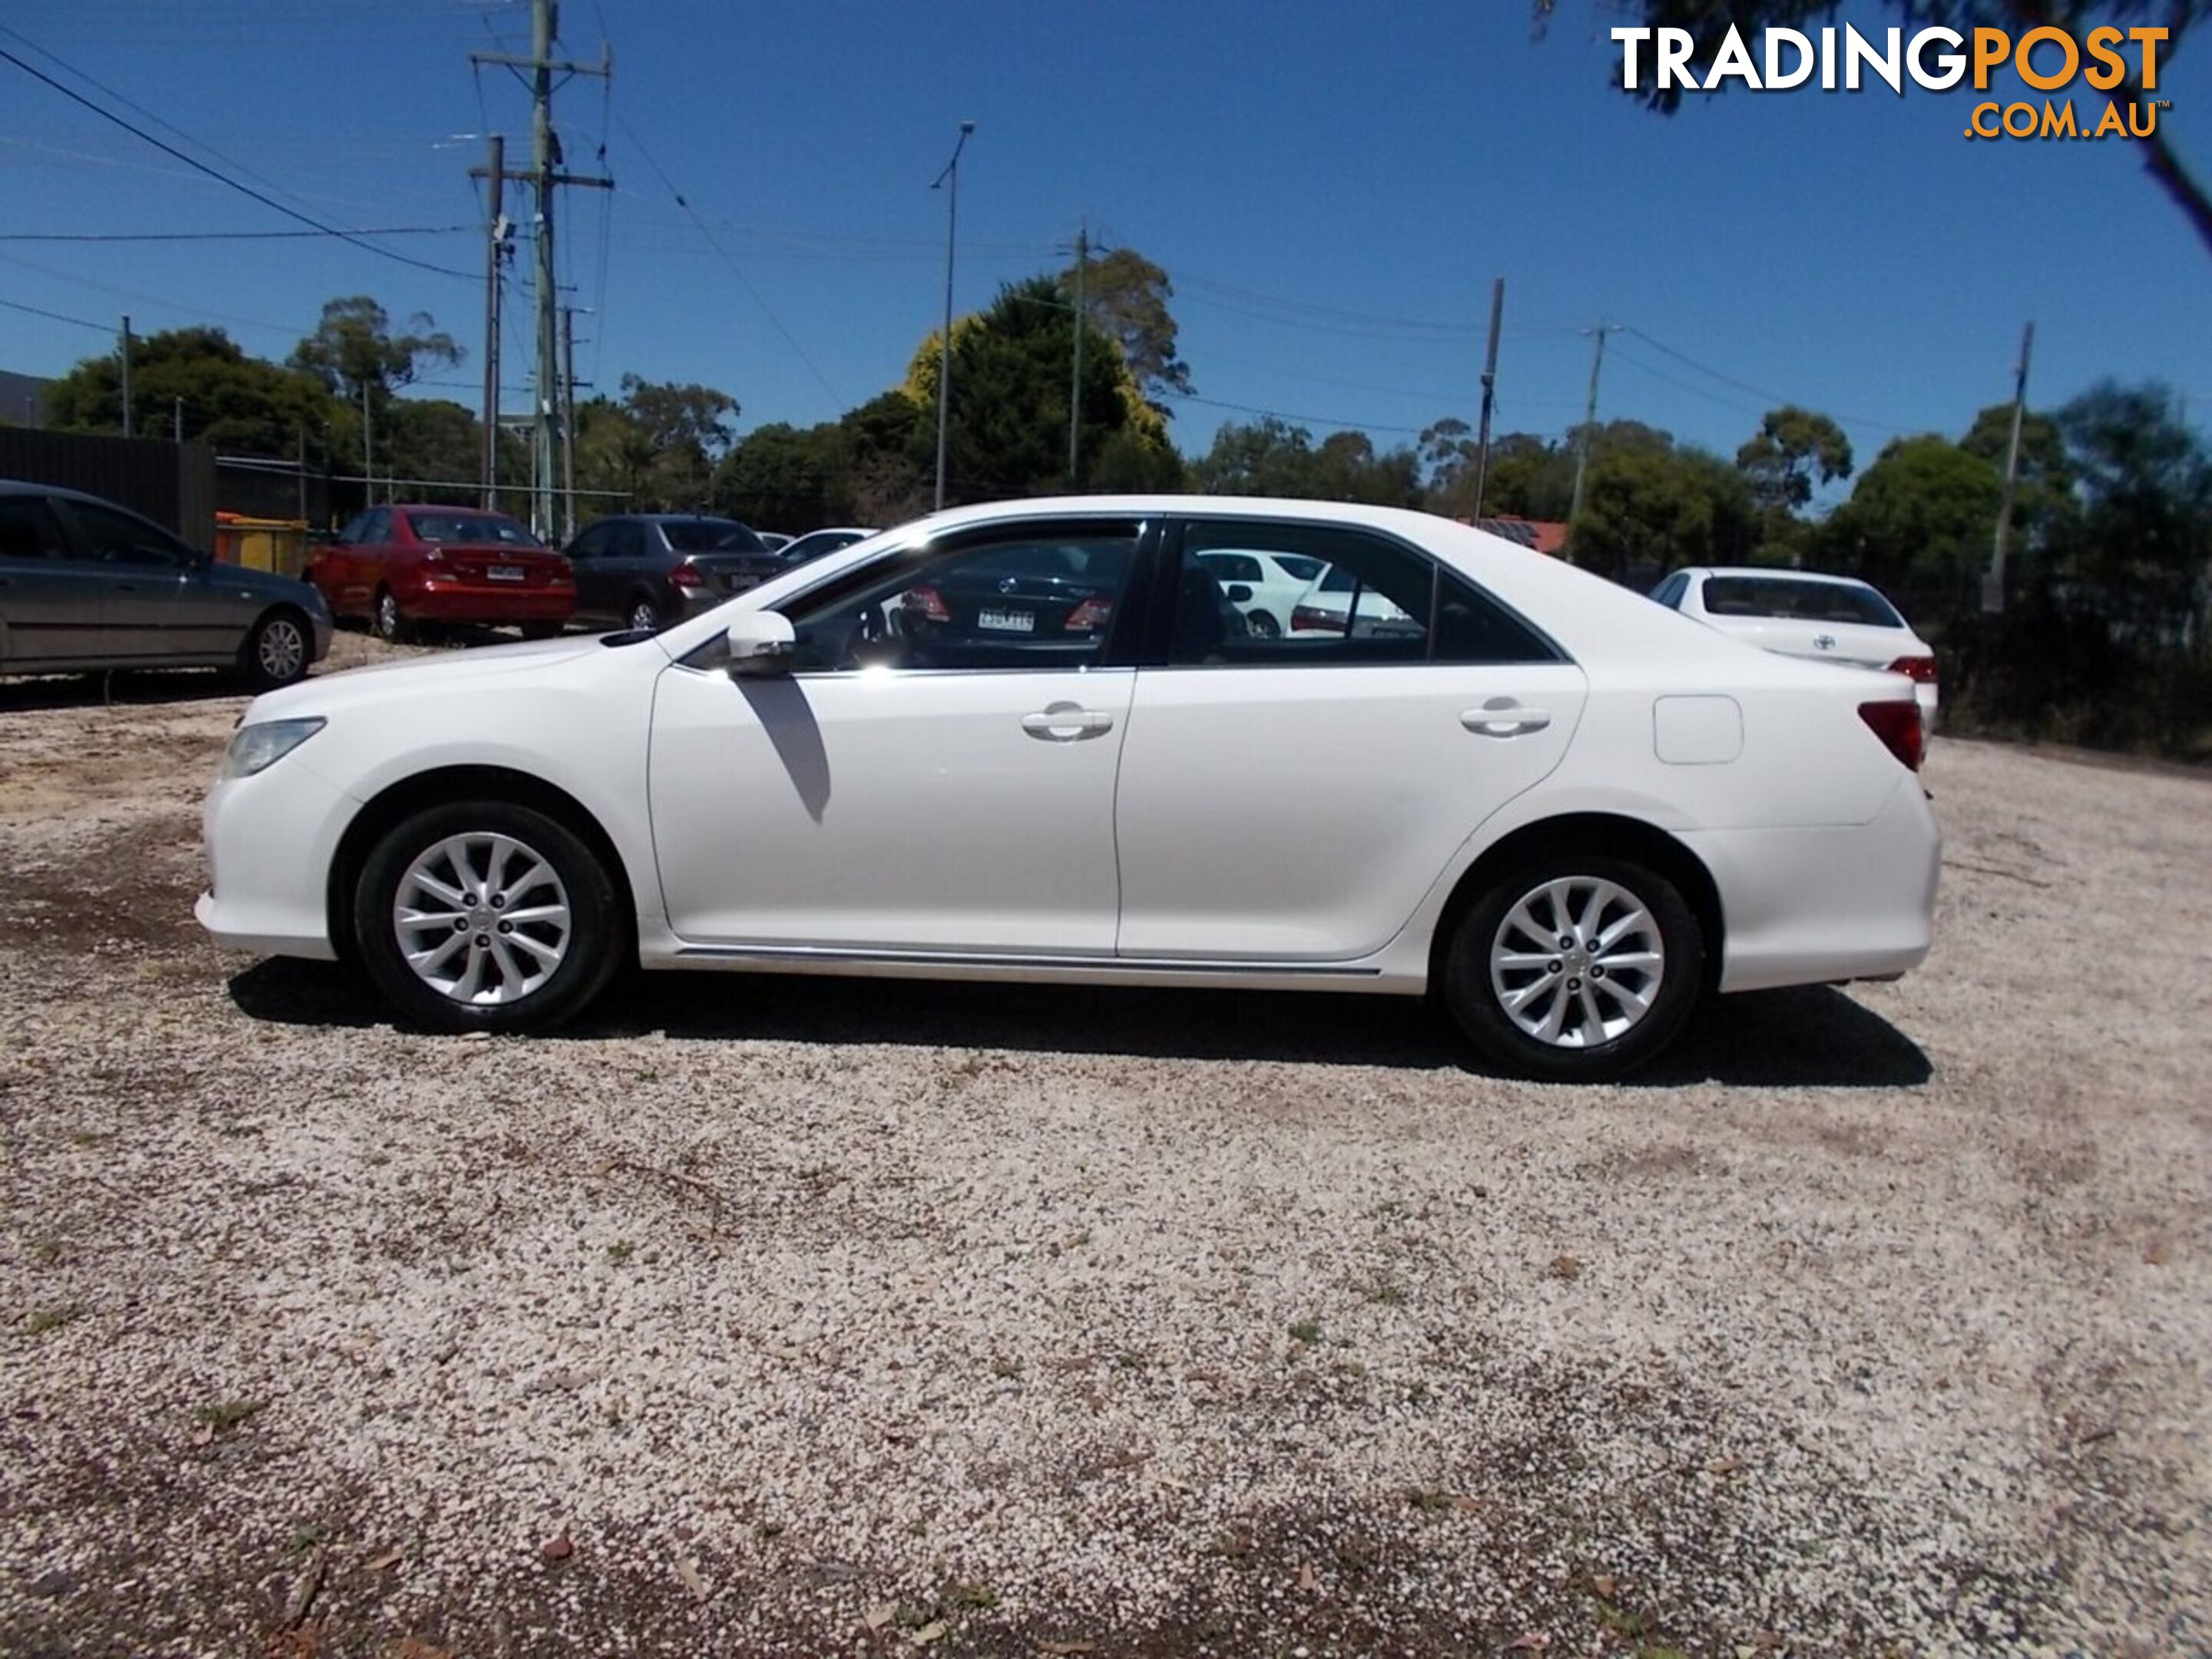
point(1489, 395)
point(568, 423)
point(945, 349)
point(545, 176)
point(177, 419)
point(367, 454)
point(494, 249)
point(1589, 423)
point(1075, 385)
point(126, 377)
point(1993, 583)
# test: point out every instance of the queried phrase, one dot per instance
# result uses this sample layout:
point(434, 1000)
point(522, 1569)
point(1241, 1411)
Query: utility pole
point(1589, 423)
point(944, 352)
point(1075, 386)
point(568, 423)
point(1489, 395)
point(126, 377)
point(300, 434)
point(1993, 582)
point(494, 251)
point(546, 175)
point(367, 452)
point(177, 419)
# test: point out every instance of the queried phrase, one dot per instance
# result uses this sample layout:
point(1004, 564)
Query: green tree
point(2143, 536)
point(354, 347)
point(1921, 518)
point(233, 402)
point(1125, 297)
point(1648, 506)
point(780, 477)
point(1710, 22)
point(1795, 449)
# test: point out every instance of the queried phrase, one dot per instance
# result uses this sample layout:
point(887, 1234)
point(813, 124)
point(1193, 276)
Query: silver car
point(86, 585)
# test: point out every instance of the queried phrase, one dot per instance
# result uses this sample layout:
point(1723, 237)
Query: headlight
point(257, 747)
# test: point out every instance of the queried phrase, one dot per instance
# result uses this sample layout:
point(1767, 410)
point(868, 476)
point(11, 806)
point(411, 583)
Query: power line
point(1302, 420)
point(197, 166)
point(222, 235)
point(745, 282)
point(1772, 397)
point(57, 317)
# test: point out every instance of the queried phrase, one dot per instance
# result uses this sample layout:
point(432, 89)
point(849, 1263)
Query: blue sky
point(1331, 188)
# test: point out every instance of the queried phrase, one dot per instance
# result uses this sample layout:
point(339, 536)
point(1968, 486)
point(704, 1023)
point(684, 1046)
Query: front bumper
point(271, 840)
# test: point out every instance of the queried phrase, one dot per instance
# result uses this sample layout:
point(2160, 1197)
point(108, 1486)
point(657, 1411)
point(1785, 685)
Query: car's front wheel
point(276, 650)
point(487, 915)
point(1575, 968)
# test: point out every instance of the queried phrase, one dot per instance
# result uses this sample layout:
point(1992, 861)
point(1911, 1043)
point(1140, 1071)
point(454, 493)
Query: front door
point(160, 608)
point(1295, 798)
point(937, 773)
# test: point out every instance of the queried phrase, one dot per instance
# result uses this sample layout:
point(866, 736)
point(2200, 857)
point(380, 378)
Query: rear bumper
point(1815, 907)
point(483, 601)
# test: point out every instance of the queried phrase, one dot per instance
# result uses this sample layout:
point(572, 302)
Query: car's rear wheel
point(276, 650)
point(644, 615)
point(1575, 968)
point(1262, 625)
point(387, 620)
point(487, 915)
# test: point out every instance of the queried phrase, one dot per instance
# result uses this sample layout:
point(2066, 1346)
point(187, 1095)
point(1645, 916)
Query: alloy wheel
point(482, 919)
point(280, 650)
point(1577, 961)
point(644, 617)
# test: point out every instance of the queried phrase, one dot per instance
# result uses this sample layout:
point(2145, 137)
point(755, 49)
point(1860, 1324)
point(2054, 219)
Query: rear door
point(1294, 799)
point(52, 597)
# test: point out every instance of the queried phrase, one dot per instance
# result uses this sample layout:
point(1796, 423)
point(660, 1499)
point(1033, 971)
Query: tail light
point(1311, 618)
point(1897, 723)
point(684, 575)
point(1090, 617)
point(1921, 670)
point(927, 603)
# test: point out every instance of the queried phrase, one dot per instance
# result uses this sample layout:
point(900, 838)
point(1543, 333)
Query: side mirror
point(761, 643)
point(1237, 592)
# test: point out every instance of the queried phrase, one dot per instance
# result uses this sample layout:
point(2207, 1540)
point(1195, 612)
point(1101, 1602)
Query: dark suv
point(645, 570)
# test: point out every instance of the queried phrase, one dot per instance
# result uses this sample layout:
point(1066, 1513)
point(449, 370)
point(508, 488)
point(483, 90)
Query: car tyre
point(544, 631)
point(386, 621)
point(278, 650)
point(487, 915)
point(644, 616)
point(1262, 625)
point(1517, 971)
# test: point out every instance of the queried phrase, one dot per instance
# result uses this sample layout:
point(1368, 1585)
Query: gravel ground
point(791, 1315)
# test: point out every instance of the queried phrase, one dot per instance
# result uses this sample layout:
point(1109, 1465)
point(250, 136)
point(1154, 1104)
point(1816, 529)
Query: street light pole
point(951, 176)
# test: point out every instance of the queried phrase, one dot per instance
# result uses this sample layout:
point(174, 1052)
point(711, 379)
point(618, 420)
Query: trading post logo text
point(2121, 63)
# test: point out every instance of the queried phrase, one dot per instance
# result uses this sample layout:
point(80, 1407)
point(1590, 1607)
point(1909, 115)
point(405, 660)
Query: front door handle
point(1068, 722)
point(1501, 717)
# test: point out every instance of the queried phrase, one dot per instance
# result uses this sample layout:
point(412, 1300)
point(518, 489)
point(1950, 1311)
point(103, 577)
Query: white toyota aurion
point(1036, 741)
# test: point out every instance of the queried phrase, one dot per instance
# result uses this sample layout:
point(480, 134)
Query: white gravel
point(816, 1317)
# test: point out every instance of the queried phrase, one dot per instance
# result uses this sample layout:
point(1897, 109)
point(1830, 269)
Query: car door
point(1294, 799)
point(586, 559)
point(915, 784)
point(160, 605)
point(53, 597)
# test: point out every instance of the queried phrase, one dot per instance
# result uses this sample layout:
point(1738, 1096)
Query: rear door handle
point(1068, 722)
point(1503, 717)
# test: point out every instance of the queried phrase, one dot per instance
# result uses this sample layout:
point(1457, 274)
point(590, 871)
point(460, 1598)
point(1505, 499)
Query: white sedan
point(1031, 741)
point(1803, 613)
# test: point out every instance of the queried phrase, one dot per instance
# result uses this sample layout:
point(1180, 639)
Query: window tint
point(591, 543)
point(122, 539)
point(710, 536)
point(626, 540)
point(465, 527)
point(29, 531)
point(1372, 600)
point(1803, 601)
point(1038, 601)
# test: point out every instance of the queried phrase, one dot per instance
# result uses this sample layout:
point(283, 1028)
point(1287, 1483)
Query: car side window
point(1669, 593)
point(1044, 599)
point(119, 539)
point(1371, 601)
point(626, 541)
point(352, 534)
point(592, 543)
point(28, 530)
point(376, 526)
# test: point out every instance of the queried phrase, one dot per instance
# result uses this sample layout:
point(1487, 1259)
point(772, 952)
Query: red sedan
point(402, 566)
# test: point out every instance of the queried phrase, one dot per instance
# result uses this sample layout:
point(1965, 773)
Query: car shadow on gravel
point(133, 687)
point(1811, 1036)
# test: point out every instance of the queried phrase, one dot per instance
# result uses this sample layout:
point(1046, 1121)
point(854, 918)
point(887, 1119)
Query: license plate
point(506, 573)
point(1008, 622)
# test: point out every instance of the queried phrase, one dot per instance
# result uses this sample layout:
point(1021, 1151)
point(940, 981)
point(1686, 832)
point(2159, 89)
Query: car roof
point(441, 507)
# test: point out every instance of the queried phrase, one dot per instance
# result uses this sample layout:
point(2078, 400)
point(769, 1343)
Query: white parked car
point(1569, 811)
point(1803, 613)
point(1338, 592)
point(1271, 584)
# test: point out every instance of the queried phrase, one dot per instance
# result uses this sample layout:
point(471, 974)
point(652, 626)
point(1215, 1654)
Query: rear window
point(711, 536)
point(470, 528)
point(1800, 601)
